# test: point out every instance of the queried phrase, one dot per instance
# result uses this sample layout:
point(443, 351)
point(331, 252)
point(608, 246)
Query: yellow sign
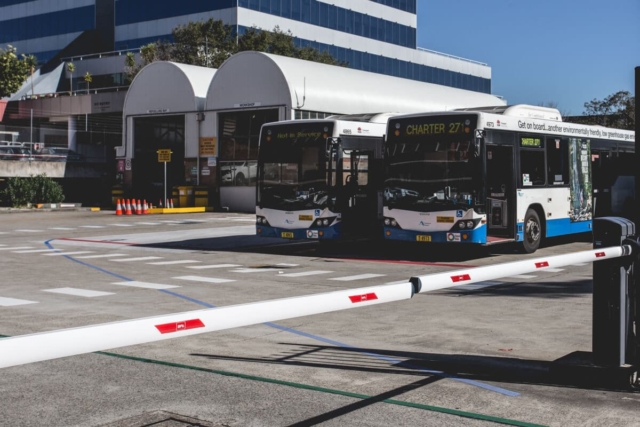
point(445, 219)
point(422, 238)
point(287, 235)
point(164, 156)
point(208, 146)
point(305, 217)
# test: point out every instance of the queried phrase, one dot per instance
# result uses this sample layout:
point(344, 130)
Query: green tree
point(88, 78)
point(616, 111)
point(32, 63)
point(13, 71)
point(210, 43)
point(71, 67)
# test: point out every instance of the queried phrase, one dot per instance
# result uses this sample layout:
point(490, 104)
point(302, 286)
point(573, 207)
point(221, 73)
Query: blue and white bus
point(321, 179)
point(501, 174)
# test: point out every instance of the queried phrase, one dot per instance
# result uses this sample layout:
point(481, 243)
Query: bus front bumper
point(477, 235)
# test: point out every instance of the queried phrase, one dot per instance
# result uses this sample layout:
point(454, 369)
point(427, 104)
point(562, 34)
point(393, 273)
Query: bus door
point(501, 204)
point(360, 195)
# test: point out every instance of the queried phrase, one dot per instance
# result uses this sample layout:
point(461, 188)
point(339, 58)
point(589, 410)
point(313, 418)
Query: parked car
point(238, 173)
point(57, 154)
point(14, 152)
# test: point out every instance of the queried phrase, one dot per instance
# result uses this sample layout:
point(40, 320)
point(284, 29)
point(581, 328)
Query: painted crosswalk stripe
point(100, 256)
point(145, 285)
point(68, 253)
point(78, 292)
point(183, 261)
point(253, 270)
point(144, 258)
point(147, 223)
point(522, 276)
point(10, 302)
point(305, 273)
point(92, 226)
point(477, 286)
point(204, 279)
point(203, 267)
point(34, 251)
point(122, 225)
point(30, 231)
point(357, 277)
point(552, 270)
point(16, 248)
point(61, 228)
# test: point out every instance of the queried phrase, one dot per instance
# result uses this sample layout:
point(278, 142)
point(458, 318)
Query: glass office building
point(370, 35)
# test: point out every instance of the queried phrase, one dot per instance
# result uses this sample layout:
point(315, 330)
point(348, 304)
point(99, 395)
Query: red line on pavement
point(390, 261)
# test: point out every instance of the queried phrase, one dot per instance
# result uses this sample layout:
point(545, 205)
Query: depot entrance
point(150, 135)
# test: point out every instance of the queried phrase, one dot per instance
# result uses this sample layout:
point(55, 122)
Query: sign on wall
point(208, 146)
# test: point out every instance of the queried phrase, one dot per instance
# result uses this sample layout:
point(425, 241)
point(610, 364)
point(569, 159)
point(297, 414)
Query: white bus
point(502, 174)
point(321, 179)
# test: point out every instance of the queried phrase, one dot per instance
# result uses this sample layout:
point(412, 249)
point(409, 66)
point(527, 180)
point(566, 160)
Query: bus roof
point(521, 110)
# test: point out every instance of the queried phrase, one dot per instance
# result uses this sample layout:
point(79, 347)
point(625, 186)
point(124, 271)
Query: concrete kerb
point(34, 210)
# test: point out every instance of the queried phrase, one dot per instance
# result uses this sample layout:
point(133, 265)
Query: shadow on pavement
point(574, 370)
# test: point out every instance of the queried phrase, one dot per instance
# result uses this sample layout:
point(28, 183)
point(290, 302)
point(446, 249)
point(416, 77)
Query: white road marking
point(30, 231)
point(184, 261)
point(552, 270)
point(100, 256)
point(476, 286)
point(357, 277)
point(122, 225)
point(252, 270)
point(2, 245)
point(35, 251)
point(144, 258)
point(16, 248)
point(202, 267)
point(522, 276)
point(145, 285)
point(204, 279)
point(147, 223)
point(10, 302)
point(305, 273)
point(61, 228)
point(92, 226)
point(244, 220)
point(68, 253)
point(78, 292)
point(284, 264)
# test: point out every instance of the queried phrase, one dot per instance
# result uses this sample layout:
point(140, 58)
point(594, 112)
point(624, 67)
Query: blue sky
point(563, 51)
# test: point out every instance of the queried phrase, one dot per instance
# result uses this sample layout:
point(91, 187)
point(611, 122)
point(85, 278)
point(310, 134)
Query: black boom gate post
point(614, 311)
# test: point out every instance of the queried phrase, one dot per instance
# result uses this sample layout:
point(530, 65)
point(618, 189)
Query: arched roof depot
point(254, 79)
point(168, 87)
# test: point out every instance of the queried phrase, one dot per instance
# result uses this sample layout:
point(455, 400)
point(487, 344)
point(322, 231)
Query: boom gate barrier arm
point(43, 346)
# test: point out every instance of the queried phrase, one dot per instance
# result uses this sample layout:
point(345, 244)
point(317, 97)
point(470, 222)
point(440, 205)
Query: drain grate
point(165, 419)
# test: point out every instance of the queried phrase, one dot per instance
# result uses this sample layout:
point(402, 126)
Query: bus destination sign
point(527, 141)
point(433, 126)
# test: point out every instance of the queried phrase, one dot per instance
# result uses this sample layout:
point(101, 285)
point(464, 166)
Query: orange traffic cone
point(138, 207)
point(160, 202)
point(118, 208)
point(128, 211)
point(144, 207)
point(171, 203)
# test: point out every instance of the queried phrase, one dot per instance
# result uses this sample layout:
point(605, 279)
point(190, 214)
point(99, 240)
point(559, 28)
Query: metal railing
point(452, 56)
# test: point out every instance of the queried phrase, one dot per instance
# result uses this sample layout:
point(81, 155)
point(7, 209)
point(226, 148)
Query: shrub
point(35, 189)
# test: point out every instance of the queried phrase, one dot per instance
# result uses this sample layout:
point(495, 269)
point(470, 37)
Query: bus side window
point(557, 161)
point(532, 168)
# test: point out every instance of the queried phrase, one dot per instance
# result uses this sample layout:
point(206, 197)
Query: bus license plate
point(420, 238)
point(287, 235)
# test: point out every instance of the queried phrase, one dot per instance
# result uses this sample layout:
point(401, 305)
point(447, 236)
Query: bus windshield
point(428, 163)
point(292, 165)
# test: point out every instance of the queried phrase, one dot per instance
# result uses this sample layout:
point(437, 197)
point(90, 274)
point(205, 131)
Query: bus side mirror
point(329, 144)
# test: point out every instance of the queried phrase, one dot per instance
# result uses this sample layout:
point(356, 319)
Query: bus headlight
point(391, 222)
point(462, 225)
point(325, 222)
point(394, 223)
point(319, 223)
point(470, 224)
point(387, 221)
point(260, 220)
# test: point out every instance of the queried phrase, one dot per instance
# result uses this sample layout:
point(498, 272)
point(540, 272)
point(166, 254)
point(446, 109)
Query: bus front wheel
point(532, 232)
